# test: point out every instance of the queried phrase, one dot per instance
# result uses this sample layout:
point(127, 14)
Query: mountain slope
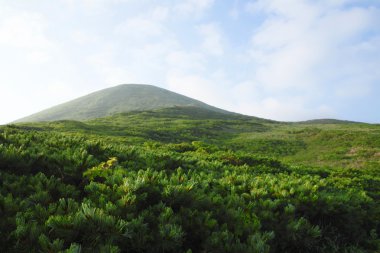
point(344, 145)
point(118, 99)
point(329, 121)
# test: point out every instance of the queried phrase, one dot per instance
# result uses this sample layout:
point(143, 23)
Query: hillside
point(188, 178)
point(185, 179)
point(339, 144)
point(118, 99)
point(329, 121)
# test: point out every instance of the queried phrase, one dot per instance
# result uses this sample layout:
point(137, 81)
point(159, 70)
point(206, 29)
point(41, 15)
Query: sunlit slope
point(119, 99)
point(348, 145)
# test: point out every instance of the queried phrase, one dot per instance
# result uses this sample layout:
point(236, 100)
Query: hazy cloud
point(314, 48)
point(193, 7)
point(287, 60)
point(212, 39)
point(24, 30)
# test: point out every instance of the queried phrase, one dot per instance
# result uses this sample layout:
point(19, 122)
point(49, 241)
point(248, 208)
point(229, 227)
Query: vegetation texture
point(188, 179)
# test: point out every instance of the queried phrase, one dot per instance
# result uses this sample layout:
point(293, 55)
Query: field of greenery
point(186, 180)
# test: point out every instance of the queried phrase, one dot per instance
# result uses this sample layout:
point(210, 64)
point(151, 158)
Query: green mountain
point(329, 121)
point(118, 99)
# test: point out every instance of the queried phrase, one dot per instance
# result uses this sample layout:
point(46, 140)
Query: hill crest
point(118, 99)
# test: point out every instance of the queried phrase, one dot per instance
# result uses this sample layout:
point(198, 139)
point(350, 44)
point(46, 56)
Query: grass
point(327, 144)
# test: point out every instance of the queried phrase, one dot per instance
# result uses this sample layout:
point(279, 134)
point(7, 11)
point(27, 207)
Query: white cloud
point(83, 37)
point(24, 30)
point(160, 13)
point(192, 7)
point(246, 92)
point(234, 11)
point(182, 61)
point(354, 90)
point(212, 39)
point(198, 87)
point(304, 46)
point(119, 75)
point(140, 27)
point(97, 5)
point(38, 57)
point(60, 89)
point(284, 109)
point(24, 34)
point(136, 53)
point(250, 98)
point(107, 70)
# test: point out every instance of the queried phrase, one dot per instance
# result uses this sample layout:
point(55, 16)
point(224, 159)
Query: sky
point(287, 60)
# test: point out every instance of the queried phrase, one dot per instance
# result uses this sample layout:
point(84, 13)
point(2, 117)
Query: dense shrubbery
point(70, 193)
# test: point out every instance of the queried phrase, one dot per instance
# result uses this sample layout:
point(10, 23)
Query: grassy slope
point(122, 98)
point(336, 145)
point(323, 145)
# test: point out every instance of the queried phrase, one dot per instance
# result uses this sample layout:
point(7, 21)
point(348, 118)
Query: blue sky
point(278, 59)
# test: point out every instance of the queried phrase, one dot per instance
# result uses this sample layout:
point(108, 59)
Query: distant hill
point(329, 121)
point(118, 99)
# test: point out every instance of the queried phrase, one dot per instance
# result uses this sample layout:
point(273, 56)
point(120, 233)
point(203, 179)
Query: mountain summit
point(118, 99)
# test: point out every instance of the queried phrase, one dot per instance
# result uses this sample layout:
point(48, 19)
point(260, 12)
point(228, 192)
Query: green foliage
point(101, 171)
point(194, 185)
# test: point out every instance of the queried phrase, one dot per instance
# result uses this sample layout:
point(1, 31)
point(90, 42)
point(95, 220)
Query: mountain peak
point(117, 99)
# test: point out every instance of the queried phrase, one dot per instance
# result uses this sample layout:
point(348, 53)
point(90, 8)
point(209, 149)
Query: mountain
point(329, 121)
point(118, 99)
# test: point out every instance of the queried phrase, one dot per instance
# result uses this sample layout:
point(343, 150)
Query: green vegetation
point(118, 99)
point(188, 179)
